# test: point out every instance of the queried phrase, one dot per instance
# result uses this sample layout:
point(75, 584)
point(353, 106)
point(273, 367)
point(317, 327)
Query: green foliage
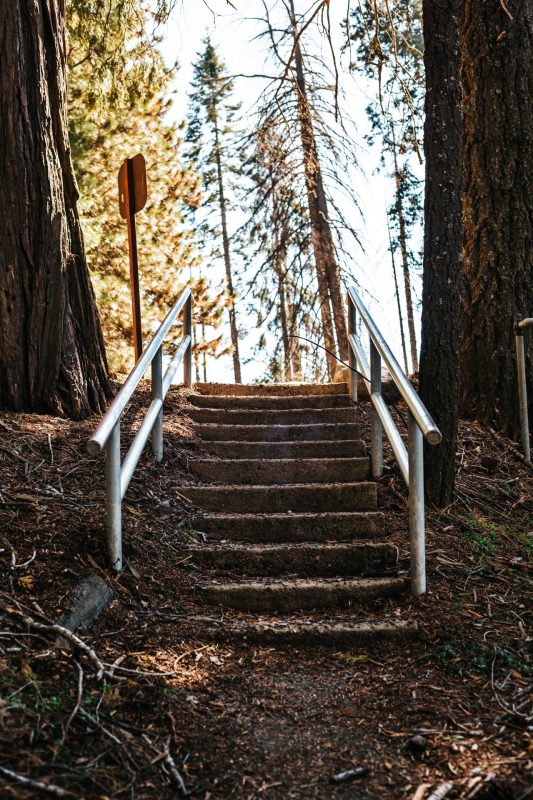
point(386, 46)
point(485, 539)
point(116, 109)
point(115, 43)
point(210, 143)
point(209, 139)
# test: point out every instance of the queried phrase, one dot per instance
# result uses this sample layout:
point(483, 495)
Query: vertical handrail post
point(187, 331)
point(417, 531)
point(376, 444)
point(522, 392)
point(157, 394)
point(352, 323)
point(113, 499)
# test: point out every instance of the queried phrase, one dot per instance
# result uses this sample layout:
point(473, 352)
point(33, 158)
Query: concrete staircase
point(290, 517)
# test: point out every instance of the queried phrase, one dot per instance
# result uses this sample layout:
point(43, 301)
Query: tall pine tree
point(211, 146)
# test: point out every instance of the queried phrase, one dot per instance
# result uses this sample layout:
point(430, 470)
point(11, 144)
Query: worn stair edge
point(340, 448)
point(258, 402)
point(293, 497)
point(307, 558)
point(277, 416)
point(272, 389)
point(338, 526)
point(281, 471)
point(277, 433)
point(299, 594)
point(321, 633)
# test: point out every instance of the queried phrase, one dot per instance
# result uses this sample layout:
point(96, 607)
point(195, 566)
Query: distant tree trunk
point(323, 248)
point(196, 354)
point(498, 168)
point(439, 357)
point(279, 268)
point(227, 262)
point(405, 263)
point(296, 350)
point(397, 294)
point(52, 354)
point(204, 355)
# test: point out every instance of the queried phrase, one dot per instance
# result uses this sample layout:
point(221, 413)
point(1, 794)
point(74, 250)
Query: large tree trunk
point(498, 167)
point(322, 241)
point(227, 263)
point(52, 355)
point(439, 356)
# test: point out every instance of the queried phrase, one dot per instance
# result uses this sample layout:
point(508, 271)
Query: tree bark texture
point(227, 263)
point(322, 240)
point(497, 287)
point(52, 354)
point(439, 356)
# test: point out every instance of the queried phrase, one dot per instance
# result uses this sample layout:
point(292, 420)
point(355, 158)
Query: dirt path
point(243, 721)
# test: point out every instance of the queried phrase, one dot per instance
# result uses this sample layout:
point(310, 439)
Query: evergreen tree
point(318, 163)
point(211, 146)
point(114, 115)
point(386, 47)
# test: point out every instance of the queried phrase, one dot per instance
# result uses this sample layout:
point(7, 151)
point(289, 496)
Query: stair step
point(307, 558)
point(340, 448)
point(291, 416)
point(291, 595)
point(279, 471)
point(293, 497)
point(321, 527)
point(330, 633)
point(277, 433)
point(270, 401)
point(270, 389)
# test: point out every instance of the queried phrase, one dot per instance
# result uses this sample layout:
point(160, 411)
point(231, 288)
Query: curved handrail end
point(93, 448)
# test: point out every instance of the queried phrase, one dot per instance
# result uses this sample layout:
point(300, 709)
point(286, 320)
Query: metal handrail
point(107, 435)
point(520, 328)
point(420, 426)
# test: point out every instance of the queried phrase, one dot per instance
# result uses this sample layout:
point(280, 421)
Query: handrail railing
point(520, 328)
point(420, 426)
point(107, 435)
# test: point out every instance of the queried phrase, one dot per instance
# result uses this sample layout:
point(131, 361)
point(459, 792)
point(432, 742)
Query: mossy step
point(277, 416)
point(270, 389)
point(326, 633)
point(302, 527)
point(279, 471)
point(277, 595)
point(277, 433)
point(291, 497)
point(270, 401)
point(306, 558)
point(340, 448)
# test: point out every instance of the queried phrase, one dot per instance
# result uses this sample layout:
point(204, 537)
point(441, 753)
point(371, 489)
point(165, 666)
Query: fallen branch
point(57, 791)
point(65, 633)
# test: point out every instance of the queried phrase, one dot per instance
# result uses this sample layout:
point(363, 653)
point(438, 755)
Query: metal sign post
point(132, 194)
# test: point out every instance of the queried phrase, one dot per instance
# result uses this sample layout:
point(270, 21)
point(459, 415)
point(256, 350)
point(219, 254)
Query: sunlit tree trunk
point(52, 355)
point(323, 248)
point(398, 303)
point(227, 261)
point(405, 263)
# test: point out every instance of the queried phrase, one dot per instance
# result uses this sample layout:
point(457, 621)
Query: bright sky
point(233, 32)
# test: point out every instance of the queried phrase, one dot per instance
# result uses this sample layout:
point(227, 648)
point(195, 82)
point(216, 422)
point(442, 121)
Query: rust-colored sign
point(132, 194)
